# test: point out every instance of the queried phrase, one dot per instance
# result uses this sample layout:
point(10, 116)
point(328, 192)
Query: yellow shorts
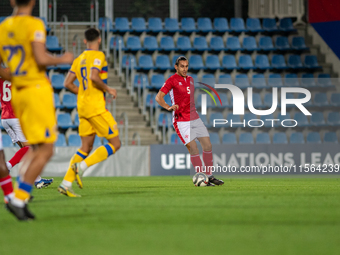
point(104, 125)
point(34, 107)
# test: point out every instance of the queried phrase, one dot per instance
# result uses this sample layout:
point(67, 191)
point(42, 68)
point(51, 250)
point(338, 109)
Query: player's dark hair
point(22, 2)
point(92, 34)
point(181, 58)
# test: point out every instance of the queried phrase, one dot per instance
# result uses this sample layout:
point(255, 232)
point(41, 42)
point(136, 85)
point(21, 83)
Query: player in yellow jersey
point(90, 68)
point(22, 49)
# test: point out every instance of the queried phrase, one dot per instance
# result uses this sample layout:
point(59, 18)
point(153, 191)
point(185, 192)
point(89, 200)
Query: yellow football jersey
point(17, 34)
point(91, 100)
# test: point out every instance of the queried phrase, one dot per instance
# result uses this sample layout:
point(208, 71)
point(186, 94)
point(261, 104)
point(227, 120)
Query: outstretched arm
point(44, 59)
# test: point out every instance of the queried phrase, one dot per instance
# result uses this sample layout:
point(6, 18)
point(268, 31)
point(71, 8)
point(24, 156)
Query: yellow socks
point(100, 154)
point(78, 157)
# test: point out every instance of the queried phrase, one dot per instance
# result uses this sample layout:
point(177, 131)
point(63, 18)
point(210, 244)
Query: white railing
point(76, 44)
point(134, 137)
point(124, 127)
point(64, 35)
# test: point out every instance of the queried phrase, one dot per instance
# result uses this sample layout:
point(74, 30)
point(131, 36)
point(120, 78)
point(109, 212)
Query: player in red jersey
point(12, 126)
point(186, 120)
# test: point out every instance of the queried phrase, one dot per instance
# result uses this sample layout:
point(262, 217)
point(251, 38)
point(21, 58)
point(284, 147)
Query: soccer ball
point(200, 179)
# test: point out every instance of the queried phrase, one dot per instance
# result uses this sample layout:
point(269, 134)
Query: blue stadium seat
point(140, 79)
point(291, 80)
point(242, 81)
point(229, 138)
point(320, 100)
point(162, 62)
point(278, 62)
point(268, 100)
point(52, 44)
point(126, 61)
point(224, 99)
point(266, 43)
point(195, 78)
point(145, 63)
point(184, 44)
point(105, 24)
point(133, 44)
point(216, 43)
point(233, 43)
point(225, 79)
point(262, 138)
point(330, 137)
point(333, 119)
point(171, 25)
point(317, 119)
point(311, 62)
point(249, 116)
point(324, 80)
point(174, 58)
point(138, 25)
point(157, 81)
point(296, 138)
point(301, 119)
point(97, 142)
point(210, 103)
point(246, 138)
point(57, 81)
point(196, 62)
point(258, 81)
point(167, 100)
point(280, 138)
point(150, 100)
point(150, 44)
point(269, 25)
point(254, 25)
point(313, 137)
point(281, 43)
point(64, 121)
point(294, 62)
point(188, 25)
point(167, 43)
point(257, 102)
point(122, 25)
point(262, 62)
point(229, 62)
point(234, 119)
point(308, 80)
point(204, 119)
point(309, 103)
point(212, 62)
point(208, 79)
point(237, 25)
point(266, 120)
point(298, 43)
point(163, 119)
point(174, 139)
point(275, 80)
point(213, 116)
point(57, 101)
point(61, 141)
point(286, 25)
point(335, 99)
point(7, 141)
point(76, 120)
point(214, 138)
point(114, 42)
point(221, 25)
point(69, 101)
point(74, 140)
point(249, 43)
point(245, 62)
point(155, 25)
point(204, 25)
point(200, 43)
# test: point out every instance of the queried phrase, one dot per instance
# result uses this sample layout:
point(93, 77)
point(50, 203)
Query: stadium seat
point(57, 81)
point(280, 138)
point(213, 116)
point(291, 80)
point(225, 79)
point(233, 43)
point(224, 99)
point(320, 100)
point(269, 25)
point(171, 25)
point(275, 80)
point(221, 25)
point(237, 25)
point(324, 80)
point(229, 138)
point(105, 24)
point(61, 141)
point(267, 120)
point(97, 142)
point(162, 62)
point(298, 43)
point(301, 119)
point(138, 25)
point(330, 137)
point(262, 138)
point(232, 119)
point(126, 61)
point(268, 100)
point(74, 140)
point(196, 62)
point(311, 62)
point(335, 99)
point(249, 43)
point(174, 139)
point(167, 43)
point(200, 43)
point(69, 101)
point(76, 120)
point(296, 138)
point(257, 102)
point(214, 138)
point(204, 25)
point(216, 44)
point(188, 25)
point(254, 25)
point(145, 63)
point(133, 44)
point(313, 137)
point(308, 80)
point(294, 62)
point(210, 103)
point(258, 81)
point(155, 25)
point(266, 43)
point(262, 62)
point(140, 79)
point(52, 44)
point(246, 138)
point(150, 44)
point(242, 81)
point(157, 81)
point(278, 62)
point(317, 119)
point(57, 101)
point(208, 79)
point(64, 121)
point(229, 62)
point(114, 42)
point(245, 62)
point(7, 141)
point(122, 25)
point(184, 44)
point(212, 62)
point(281, 43)
point(150, 100)
point(333, 119)
point(249, 116)
point(195, 78)
point(163, 119)
point(286, 25)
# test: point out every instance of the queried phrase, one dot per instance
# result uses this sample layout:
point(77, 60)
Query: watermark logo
point(204, 97)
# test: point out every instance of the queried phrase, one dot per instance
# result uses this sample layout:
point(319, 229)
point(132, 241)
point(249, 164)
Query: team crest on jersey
point(39, 35)
point(180, 83)
point(97, 62)
point(10, 35)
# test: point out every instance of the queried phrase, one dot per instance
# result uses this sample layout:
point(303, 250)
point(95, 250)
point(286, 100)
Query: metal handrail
point(55, 16)
point(136, 135)
point(169, 128)
point(124, 121)
point(65, 20)
point(76, 44)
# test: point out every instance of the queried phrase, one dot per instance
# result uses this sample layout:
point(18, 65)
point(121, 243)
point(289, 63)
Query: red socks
point(18, 156)
point(6, 185)
point(197, 163)
point(208, 161)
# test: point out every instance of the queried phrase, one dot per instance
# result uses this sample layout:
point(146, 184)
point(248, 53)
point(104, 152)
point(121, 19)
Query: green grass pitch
point(168, 215)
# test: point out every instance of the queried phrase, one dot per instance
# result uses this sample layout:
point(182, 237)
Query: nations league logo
point(238, 105)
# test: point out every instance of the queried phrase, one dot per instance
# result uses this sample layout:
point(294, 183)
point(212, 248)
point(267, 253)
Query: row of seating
point(75, 140)
point(69, 101)
point(58, 80)
point(188, 25)
point(216, 44)
point(264, 138)
point(212, 63)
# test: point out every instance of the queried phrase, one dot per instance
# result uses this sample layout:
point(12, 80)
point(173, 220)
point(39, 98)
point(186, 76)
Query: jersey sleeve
point(99, 62)
point(167, 86)
point(38, 32)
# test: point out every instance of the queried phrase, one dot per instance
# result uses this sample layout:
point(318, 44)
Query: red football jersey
point(181, 93)
point(6, 97)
